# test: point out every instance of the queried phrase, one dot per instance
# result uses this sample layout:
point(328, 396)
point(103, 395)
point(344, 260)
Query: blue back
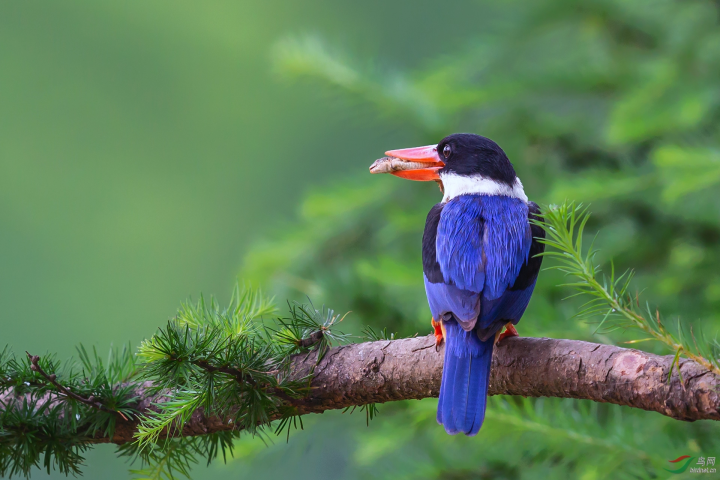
point(481, 244)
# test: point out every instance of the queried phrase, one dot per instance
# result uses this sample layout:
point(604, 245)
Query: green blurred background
point(153, 151)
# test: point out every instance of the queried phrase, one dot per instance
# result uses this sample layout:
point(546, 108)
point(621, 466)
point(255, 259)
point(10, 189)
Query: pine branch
point(52, 379)
point(384, 371)
point(609, 295)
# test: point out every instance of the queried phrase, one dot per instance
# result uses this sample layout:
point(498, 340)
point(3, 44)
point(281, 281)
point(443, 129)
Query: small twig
point(239, 375)
point(90, 401)
point(242, 377)
point(316, 337)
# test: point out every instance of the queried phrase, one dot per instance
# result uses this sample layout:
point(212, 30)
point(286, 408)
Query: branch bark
point(384, 371)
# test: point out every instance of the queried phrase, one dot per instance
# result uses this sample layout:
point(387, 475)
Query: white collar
point(454, 185)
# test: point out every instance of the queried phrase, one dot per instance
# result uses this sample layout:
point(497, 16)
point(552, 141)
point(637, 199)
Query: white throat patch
point(455, 185)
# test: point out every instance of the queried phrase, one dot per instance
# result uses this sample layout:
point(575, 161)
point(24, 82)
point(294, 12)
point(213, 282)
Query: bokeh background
point(150, 152)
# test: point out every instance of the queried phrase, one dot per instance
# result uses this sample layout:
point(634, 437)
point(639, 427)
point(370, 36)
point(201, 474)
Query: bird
point(481, 255)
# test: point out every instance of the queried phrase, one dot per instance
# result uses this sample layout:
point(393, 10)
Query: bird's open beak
point(419, 163)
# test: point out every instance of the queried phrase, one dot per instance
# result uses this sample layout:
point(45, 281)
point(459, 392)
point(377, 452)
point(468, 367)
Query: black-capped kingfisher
point(480, 261)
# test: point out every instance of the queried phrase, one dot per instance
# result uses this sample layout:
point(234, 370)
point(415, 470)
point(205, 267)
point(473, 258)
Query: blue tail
point(465, 378)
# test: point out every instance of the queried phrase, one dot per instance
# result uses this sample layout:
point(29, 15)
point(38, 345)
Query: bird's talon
point(510, 331)
point(438, 332)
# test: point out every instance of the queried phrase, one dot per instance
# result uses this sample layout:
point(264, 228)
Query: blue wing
point(450, 296)
point(511, 305)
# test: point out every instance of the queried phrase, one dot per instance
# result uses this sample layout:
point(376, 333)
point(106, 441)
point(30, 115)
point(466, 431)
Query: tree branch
point(384, 371)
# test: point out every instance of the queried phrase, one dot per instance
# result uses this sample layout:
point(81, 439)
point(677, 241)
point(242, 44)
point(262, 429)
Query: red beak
point(419, 163)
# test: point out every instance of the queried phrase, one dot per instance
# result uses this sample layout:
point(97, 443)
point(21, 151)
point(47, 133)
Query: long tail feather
point(465, 380)
point(444, 415)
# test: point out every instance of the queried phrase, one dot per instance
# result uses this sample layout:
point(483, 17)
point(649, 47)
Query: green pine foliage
point(226, 362)
point(53, 435)
point(168, 459)
point(230, 361)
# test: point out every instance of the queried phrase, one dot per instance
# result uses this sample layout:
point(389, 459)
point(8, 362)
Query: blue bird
point(480, 262)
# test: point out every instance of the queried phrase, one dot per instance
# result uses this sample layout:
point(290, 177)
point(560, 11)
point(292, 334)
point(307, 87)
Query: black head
point(468, 154)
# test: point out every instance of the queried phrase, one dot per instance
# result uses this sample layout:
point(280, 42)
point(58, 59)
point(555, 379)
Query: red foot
point(437, 326)
point(509, 332)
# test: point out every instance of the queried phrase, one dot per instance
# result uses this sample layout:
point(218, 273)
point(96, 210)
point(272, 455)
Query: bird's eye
point(447, 151)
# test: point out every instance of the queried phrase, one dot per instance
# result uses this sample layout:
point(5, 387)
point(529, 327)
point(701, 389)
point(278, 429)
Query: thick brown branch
point(385, 371)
